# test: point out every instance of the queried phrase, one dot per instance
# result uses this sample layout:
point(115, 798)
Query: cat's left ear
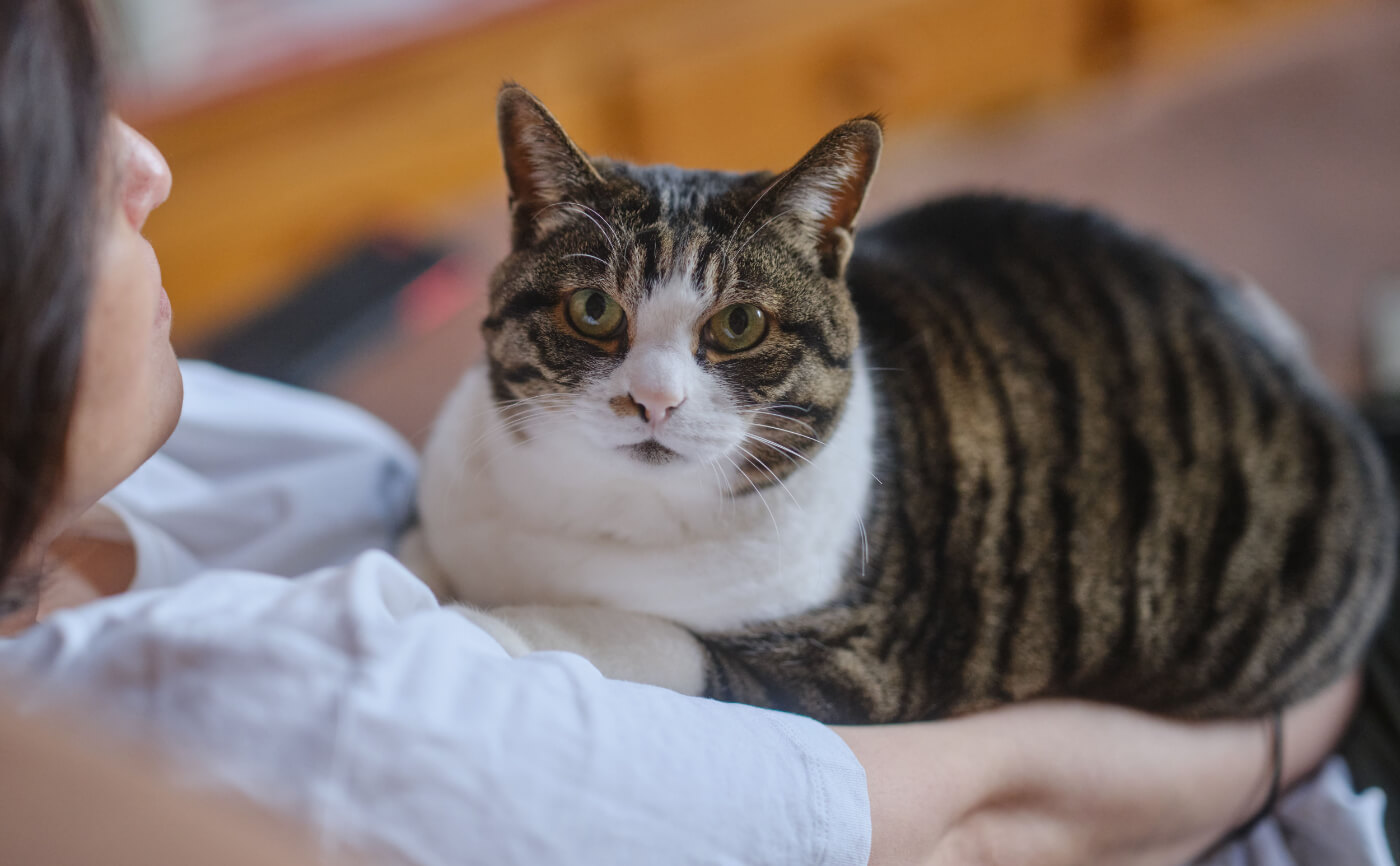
point(825, 189)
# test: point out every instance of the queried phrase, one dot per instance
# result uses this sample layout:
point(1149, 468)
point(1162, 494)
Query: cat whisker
point(764, 466)
point(514, 412)
point(740, 224)
point(611, 228)
point(538, 399)
point(726, 490)
point(522, 419)
point(506, 404)
point(769, 409)
point(873, 476)
point(525, 408)
point(515, 416)
point(803, 409)
point(771, 516)
point(486, 438)
point(787, 431)
point(860, 521)
point(734, 234)
point(585, 256)
point(508, 407)
point(864, 543)
point(593, 216)
point(765, 225)
point(540, 404)
point(783, 448)
point(781, 416)
point(512, 447)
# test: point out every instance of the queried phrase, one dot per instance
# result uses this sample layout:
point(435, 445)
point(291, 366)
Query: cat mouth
point(652, 452)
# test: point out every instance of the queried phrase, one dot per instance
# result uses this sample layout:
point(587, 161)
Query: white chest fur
point(556, 520)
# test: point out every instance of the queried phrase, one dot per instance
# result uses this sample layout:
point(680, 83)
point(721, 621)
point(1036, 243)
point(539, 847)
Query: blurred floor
point(1280, 161)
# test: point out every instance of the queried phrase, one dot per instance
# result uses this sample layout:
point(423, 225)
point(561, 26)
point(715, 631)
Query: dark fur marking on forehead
point(685, 189)
point(718, 215)
point(651, 259)
point(650, 215)
point(672, 216)
point(709, 248)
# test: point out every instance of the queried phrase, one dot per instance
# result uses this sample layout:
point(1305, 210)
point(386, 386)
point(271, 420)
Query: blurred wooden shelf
point(271, 181)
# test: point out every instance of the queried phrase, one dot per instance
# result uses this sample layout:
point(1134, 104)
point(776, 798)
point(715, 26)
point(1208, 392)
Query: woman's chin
point(168, 395)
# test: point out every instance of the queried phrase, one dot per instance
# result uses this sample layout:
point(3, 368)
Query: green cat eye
point(737, 327)
point(594, 314)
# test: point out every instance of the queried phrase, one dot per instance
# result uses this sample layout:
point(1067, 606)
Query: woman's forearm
point(1071, 782)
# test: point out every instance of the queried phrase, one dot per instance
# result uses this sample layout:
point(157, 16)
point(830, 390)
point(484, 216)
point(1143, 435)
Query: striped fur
point(1109, 486)
point(1095, 472)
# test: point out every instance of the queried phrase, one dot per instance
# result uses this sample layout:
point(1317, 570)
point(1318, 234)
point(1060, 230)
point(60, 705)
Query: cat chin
point(653, 453)
point(677, 452)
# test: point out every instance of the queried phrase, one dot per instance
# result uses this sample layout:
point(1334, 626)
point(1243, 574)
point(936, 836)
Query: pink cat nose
point(656, 405)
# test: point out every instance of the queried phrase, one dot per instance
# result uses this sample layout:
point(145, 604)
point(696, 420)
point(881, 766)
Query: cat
point(998, 449)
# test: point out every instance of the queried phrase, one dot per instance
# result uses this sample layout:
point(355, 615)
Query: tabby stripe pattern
point(1094, 495)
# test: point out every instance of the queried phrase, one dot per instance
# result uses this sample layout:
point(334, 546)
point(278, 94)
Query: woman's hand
point(1068, 782)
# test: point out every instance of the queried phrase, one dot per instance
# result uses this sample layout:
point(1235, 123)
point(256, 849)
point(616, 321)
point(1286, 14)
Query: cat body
point(996, 450)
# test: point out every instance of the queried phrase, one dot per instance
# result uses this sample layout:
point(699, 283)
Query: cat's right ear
point(544, 167)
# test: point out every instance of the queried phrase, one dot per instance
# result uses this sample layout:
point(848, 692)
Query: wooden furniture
point(271, 181)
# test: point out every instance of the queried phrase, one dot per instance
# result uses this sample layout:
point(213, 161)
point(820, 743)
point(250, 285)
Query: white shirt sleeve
point(264, 477)
point(348, 699)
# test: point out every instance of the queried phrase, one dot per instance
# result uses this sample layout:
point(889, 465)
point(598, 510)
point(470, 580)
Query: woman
point(346, 698)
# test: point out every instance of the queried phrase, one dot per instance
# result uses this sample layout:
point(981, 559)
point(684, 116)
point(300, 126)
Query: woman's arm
point(1068, 782)
point(349, 701)
point(319, 695)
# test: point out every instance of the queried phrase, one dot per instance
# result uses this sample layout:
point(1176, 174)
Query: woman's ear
point(824, 191)
point(543, 166)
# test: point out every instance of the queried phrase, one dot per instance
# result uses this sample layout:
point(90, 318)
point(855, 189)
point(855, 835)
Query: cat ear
point(823, 192)
point(543, 165)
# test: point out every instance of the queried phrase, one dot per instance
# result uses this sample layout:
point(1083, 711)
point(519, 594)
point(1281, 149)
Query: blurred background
point(338, 198)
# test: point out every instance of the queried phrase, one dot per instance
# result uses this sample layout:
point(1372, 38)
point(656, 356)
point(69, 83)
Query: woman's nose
point(146, 176)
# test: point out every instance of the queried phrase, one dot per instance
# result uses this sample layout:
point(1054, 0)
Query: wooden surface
point(1279, 160)
point(271, 182)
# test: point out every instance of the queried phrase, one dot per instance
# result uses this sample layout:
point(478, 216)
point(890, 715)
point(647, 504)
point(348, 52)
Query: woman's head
point(88, 380)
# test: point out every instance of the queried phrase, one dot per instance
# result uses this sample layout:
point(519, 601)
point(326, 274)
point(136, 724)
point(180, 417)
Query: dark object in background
point(339, 312)
point(1372, 743)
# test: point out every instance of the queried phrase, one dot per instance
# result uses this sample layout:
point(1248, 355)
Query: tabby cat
point(995, 450)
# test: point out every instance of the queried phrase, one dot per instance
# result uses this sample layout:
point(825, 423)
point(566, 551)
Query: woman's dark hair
point(53, 121)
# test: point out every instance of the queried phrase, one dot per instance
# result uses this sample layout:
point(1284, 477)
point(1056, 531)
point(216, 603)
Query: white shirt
point(349, 700)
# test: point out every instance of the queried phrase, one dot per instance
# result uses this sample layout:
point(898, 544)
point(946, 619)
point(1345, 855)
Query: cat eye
point(594, 314)
point(737, 327)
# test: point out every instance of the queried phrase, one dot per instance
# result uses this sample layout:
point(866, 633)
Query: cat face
point(675, 318)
